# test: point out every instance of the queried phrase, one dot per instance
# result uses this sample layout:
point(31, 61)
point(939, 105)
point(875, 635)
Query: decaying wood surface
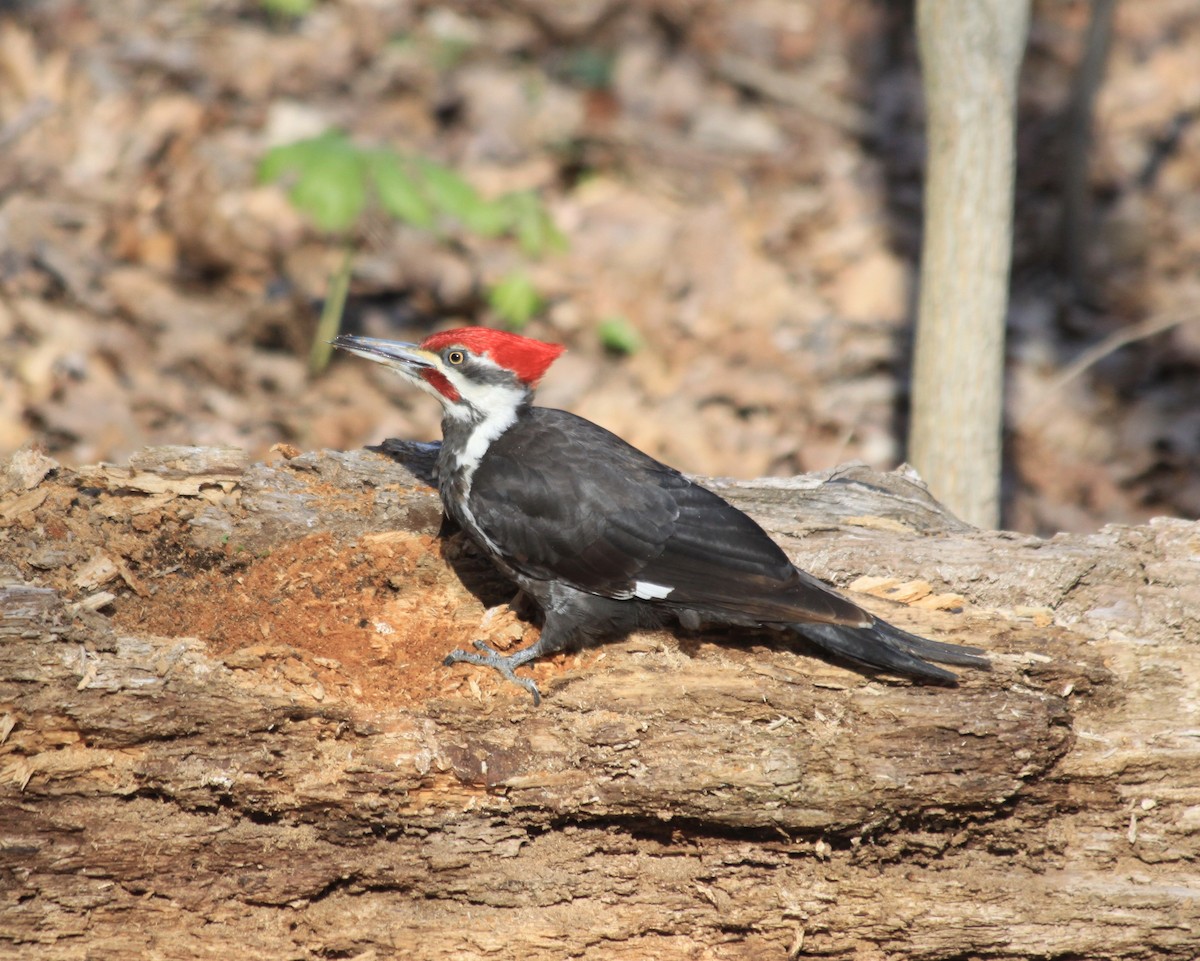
point(169, 794)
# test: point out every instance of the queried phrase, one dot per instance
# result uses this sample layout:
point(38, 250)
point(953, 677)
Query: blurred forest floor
point(739, 183)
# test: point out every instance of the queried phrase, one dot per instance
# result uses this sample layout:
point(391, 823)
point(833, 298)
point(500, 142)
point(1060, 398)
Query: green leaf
point(289, 8)
point(515, 300)
point(454, 197)
point(399, 193)
point(618, 335)
point(278, 161)
point(334, 196)
point(329, 178)
point(449, 193)
point(532, 224)
point(330, 182)
point(538, 236)
point(490, 218)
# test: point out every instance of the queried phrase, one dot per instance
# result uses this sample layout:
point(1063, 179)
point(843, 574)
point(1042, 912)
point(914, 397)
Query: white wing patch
point(649, 591)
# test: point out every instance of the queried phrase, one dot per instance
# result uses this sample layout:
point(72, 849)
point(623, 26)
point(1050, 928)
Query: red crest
point(524, 356)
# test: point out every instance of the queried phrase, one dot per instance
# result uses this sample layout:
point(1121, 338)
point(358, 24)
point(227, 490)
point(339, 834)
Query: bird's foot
point(505, 665)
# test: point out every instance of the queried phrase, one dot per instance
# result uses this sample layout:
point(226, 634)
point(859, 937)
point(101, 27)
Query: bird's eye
point(455, 357)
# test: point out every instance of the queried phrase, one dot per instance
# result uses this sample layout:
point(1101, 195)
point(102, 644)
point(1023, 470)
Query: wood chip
point(27, 468)
point(97, 570)
point(22, 504)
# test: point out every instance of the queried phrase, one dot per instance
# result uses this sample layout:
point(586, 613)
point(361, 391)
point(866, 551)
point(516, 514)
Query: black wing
point(564, 499)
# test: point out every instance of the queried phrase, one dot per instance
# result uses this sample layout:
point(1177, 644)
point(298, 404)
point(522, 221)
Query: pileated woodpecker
point(604, 537)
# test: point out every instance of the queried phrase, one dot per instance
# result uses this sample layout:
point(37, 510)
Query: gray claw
point(504, 665)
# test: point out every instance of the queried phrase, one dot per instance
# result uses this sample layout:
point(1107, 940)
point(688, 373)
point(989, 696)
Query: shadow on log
point(226, 730)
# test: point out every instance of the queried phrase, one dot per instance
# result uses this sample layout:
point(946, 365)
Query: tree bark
point(970, 56)
point(178, 793)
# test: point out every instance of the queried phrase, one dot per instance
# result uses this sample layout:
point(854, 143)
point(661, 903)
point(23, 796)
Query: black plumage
point(579, 532)
point(604, 524)
point(604, 537)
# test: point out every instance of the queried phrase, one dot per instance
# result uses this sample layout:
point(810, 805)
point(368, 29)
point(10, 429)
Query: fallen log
point(225, 728)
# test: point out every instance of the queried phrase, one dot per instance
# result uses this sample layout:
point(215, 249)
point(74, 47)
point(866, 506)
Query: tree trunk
point(227, 732)
point(1076, 184)
point(970, 56)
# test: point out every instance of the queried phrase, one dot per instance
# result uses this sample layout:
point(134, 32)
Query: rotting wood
point(673, 798)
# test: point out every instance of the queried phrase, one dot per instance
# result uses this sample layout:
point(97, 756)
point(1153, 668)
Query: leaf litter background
point(739, 183)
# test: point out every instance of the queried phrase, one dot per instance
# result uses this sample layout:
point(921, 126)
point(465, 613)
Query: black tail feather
point(938, 651)
point(887, 648)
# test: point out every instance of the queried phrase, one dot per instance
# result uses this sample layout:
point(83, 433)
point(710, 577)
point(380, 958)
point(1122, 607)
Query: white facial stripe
point(501, 403)
point(481, 437)
point(500, 418)
point(482, 397)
